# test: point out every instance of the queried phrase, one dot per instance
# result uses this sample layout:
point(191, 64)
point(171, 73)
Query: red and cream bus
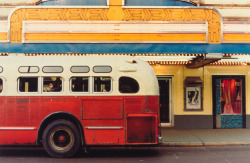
point(68, 102)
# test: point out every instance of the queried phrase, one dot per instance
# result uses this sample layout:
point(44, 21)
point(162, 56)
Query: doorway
point(166, 113)
point(229, 102)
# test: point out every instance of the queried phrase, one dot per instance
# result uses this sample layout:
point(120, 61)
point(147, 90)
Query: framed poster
point(193, 95)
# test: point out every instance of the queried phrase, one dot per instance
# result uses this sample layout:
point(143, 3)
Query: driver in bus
point(1, 88)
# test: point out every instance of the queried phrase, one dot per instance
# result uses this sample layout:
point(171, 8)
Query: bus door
point(104, 119)
point(104, 114)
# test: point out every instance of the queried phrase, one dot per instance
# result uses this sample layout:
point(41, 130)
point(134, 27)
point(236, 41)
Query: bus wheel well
point(56, 116)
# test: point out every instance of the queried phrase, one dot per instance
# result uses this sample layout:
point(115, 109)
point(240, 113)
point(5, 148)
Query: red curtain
point(231, 96)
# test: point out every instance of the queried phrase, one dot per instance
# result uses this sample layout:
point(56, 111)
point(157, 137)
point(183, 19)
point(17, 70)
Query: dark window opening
point(80, 84)
point(1, 85)
point(52, 84)
point(27, 84)
point(128, 85)
point(102, 84)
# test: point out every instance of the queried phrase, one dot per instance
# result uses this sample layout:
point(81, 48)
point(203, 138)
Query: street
point(213, 154)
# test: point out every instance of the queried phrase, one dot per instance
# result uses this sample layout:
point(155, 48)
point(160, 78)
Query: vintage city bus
point(69, 102)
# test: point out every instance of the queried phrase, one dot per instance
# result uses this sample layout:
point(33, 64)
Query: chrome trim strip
point(112, 22)
point(104, 128)
point(17, 128)
point(107, 42)
point(207, 33)
point(236, 32)
point(235, 42)
point(236, 22)
point(4, 40)
point(81, 32)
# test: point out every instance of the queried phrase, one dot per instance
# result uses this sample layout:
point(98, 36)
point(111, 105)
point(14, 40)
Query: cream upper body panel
point(122, 66)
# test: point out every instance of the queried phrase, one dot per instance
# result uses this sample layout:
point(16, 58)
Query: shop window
point(102, 84)
point(231, 94)
point(52, 84)
point(79, 84)
point(28, 84)
point(1, 85)
point(128, 85)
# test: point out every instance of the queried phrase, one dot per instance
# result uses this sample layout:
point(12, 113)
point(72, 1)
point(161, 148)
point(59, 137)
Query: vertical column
point(115, 12)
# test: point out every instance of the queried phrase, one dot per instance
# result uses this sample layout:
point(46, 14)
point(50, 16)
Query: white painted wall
point(237, 13)
point(235, 10)
point(223, 2)
point(18, 2)
point(6, 6)
point(4, 12)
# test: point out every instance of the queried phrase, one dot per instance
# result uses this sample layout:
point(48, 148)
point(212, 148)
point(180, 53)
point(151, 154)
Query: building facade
point(200, 56)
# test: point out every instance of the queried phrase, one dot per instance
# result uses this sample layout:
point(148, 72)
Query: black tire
point(61, 139)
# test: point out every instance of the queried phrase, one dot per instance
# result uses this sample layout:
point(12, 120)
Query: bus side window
point(52, 84)
point(128, 85)
point(28, 84)
point(1, 85)
point(102, 84)
point(79, 84)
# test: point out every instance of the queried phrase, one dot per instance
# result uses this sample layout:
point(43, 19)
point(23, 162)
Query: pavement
point(204, 137)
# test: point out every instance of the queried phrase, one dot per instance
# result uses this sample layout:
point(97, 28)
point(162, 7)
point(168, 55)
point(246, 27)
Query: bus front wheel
point(61, 138)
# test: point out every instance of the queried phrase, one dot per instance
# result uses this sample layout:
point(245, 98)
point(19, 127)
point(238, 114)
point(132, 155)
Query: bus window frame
point(18, 85)
point(111, 69)
point(38, 69)
point(52, 71)
point(53, 92)
point(93, 85)
point(124, 93)
point(70, 85)
point(79, 72)
point(1, 69)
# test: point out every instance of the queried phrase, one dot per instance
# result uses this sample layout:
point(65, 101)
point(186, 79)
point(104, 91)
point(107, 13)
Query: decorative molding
point(52, 14)
point(116, 13)
point(180, 14)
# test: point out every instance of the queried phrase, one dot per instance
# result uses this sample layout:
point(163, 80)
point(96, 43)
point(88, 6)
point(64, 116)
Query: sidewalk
point(205, 137)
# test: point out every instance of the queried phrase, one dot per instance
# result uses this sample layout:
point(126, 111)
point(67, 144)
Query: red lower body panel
point(141, 129)
point(106, 120)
